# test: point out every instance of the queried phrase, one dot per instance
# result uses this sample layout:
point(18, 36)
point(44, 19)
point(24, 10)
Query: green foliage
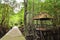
point(34, 7)
point(17, 18)
point(50, 6)
point(6, 13)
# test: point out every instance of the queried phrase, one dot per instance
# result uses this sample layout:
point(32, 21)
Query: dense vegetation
point(9, 17)
point(34, 7)
point(23, 16)
point(51, 7)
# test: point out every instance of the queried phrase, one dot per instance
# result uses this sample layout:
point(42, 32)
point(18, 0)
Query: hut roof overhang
point(42, 16)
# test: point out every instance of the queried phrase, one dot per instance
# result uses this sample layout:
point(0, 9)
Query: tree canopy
point(34, 7)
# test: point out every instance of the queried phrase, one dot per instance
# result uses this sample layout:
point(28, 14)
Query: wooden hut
point(43, 16)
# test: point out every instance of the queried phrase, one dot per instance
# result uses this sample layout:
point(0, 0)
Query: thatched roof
point(42, 16)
